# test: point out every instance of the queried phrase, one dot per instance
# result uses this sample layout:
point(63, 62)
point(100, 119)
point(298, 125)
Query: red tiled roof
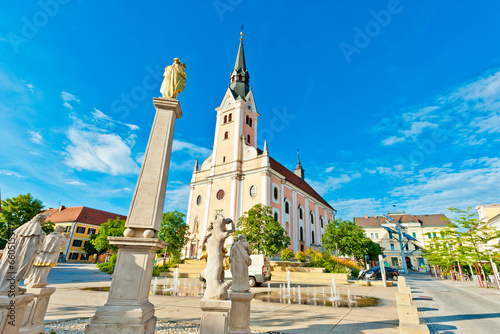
point(81, 214)
point(424, 220)
point(297, 181)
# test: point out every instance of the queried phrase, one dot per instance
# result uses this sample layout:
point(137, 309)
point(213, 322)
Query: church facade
point(238, 175)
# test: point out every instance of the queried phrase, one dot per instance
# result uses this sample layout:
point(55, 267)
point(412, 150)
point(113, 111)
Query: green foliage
point(174, 231)
point(48, 227)
point(107, 267)
point(349, 239)
point(17, 211)
point(89, 247)
point(300, 256)
point(286, 254)
point(112, 228)
point(331, 263)
point(169, 264)
point(264, 234)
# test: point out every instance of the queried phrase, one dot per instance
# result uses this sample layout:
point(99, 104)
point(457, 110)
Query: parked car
point(258, 272)
point(375, 273)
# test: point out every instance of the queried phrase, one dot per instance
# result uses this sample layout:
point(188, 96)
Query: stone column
point(214, 316)
point(239, 317)
point(12, 309)
point(128, 309)
point(35, 311)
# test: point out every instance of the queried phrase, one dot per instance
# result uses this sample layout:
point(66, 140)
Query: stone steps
point(304, 277)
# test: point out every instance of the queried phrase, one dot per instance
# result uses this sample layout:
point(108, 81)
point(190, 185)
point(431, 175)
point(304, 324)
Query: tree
point(112, 228)
point(347, 238)
point(17, 211)
point(89, 247)
point(264, 234)
point(174, 232)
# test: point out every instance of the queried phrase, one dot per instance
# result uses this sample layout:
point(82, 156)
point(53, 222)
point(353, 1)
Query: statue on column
point(47, 258)
point(240, 260)
point(214, 272)
point(174, 79)
point(18, 256)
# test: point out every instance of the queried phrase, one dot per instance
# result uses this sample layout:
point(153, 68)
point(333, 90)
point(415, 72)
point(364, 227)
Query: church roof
point(81, 214)
point(424, 220)
point(297, 181)
point(240, 78)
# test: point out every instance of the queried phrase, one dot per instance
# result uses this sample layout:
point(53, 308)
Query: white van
point(258, 272)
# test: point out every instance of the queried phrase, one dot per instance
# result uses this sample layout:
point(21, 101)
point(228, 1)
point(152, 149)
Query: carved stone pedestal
point(239, 317)
point(214, 316)
point(35, 311)
point(128, 310)
point(12, 312)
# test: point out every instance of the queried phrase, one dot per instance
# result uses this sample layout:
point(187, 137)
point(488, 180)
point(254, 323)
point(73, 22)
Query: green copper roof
point(240, 78)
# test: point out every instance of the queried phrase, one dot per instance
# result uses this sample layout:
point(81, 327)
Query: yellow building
point(490, 214)
point(80, 223)
point(421, 228)
point(238, 175)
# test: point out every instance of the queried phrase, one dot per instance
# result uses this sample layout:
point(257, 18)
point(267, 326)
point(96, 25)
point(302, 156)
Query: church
point(238, 175)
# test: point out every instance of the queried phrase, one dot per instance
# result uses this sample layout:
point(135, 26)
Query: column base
point(35, 311)
point(121, 319)
point(12, 314)
point(214, 316)
point(239, 317)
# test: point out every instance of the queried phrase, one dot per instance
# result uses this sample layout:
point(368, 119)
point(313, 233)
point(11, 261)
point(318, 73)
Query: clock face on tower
point(249, 107)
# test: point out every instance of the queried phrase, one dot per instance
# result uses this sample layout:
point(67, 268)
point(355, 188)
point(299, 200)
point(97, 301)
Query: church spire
point(239, 80)
point(299, 171)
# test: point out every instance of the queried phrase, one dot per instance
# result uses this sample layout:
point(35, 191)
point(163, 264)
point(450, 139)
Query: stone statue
point(19, 254)
point(240, 260)
point(174, 79)
point(214, 273)
point(47, 258)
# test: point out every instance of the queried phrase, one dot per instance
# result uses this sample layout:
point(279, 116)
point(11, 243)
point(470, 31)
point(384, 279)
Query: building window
point(372, 235)
point(414, 235)
point(276, 193)
point(376, 235)
point(80, 229)
point(312, 237)
point(73, 256)
point(407, 247)
point(77, 243)
point(253, 191)
point(301, 234)
point(246, 119)
point(250, 122)
point(223, 159)
point(321, 221)
point(226, 135)
point(91, 231)
point(392, 247)
point(312, 217)
point(287, 208)
point(225, 119)
point(230, 119)
point(301, 248)
point(68, 228)
point(276, 216)
point(84, 257)
point(390, 235)
point(248, 139)
point(300, 214)
point(220, 194)
point(434, 235)
point(429, 235)
point(198, 200)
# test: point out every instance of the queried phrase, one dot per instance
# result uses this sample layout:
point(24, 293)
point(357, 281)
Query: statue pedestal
point(35, 311)
point(128, 309)
point(214, 316)
point(12, 312)
point(239, 317)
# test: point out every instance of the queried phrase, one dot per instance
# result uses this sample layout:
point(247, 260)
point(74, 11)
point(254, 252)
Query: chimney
point(62, 207)
point(375, 216)
point(366, 217)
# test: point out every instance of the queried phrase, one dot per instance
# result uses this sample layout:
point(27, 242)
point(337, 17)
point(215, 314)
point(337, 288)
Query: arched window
point(250, 122)
point(276, 193)
point(230, 118)
point(300, 213)
point(248, 139)
point(312, 237)
point(225, 119)
point(301, 234)
point(312, 217)
point(321, 221)
point(226, 135)
point(287, 208)
point(276, 216)
point(246, 119)
point(301, 248)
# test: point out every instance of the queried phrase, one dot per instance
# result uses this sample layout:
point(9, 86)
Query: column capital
point(165, 103)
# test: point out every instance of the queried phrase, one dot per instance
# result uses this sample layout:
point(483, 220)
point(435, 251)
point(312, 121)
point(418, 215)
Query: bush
point(332, 264)
point(286, 254)
point(169, 264)
point(300, 256)
point(108, 267)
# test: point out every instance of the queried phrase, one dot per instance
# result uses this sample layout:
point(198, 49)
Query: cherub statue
point(214, 273)
point(174, 79)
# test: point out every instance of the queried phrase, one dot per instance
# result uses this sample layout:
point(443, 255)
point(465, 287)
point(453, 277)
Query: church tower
point(236, 125)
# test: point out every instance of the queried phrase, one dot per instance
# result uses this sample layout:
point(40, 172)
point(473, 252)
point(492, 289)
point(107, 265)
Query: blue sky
point(389, 102)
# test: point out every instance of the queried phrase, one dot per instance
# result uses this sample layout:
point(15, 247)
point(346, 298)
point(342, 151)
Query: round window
point(198, 200)
point(253, 191)
point(220, 194)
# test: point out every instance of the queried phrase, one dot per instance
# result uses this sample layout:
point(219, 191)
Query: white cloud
point(332, 183)
point(101, 152)
point(329, 169)
point(176, 197)
point(349, 208)
point(125, 189)
point(487, 89)
point(132, 127)
point(488, 124)
point(417, 128)
point(11, 173)
point(139, 158)
point(36, 137)
point(191, 149)
point(67, 98)
point(393, 140)
point(74, 182)
point(420, 114)
point(97, 114)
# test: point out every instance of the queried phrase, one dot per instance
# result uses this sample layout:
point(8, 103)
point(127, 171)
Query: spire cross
point(241, 33)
